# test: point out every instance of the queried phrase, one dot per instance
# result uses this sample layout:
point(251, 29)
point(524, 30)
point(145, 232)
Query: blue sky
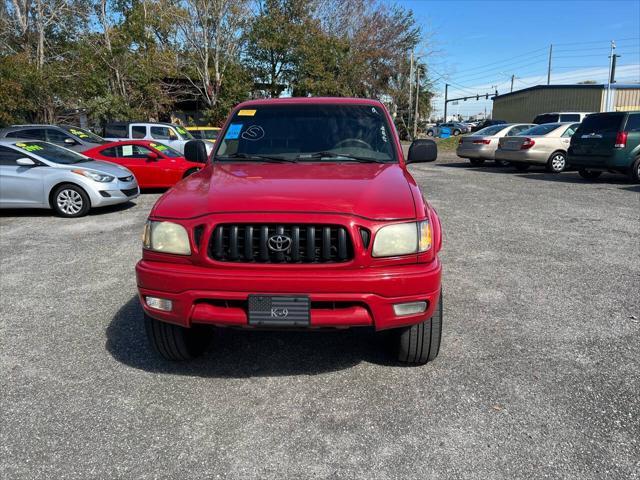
point(475, 45)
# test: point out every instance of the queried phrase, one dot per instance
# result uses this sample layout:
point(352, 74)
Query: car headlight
point(402, 239)
point(97, 176)
point(166, 237)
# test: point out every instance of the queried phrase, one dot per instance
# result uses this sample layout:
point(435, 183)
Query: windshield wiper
point(334, 155)
point(248, 156)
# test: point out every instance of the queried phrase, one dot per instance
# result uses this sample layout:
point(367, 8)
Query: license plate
point(283, 311)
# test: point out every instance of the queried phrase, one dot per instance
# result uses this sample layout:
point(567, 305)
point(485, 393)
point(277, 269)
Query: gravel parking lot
point(538, 375)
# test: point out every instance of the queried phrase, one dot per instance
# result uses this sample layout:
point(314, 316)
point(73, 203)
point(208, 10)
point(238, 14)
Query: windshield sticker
point(78, 133)
point(246, 113)
point(127, 150)
point(29, 148)
point(233, 132)
point(158, 146)
point(383, 133)
point(253, 133)
point(181, 130)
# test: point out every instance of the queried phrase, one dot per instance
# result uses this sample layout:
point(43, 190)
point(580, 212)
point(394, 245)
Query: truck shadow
point(242, 354)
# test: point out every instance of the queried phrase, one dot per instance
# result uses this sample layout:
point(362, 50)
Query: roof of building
point(585, 86)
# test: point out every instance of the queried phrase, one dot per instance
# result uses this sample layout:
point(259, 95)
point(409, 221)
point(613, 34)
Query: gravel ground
point(538, 375)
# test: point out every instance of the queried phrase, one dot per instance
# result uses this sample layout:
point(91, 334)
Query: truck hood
point(370, 190)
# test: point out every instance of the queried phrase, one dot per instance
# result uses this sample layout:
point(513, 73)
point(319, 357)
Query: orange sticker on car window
point(246, 113)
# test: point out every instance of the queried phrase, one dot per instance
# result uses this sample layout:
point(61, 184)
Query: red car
point(305, 217)
point(155, 165)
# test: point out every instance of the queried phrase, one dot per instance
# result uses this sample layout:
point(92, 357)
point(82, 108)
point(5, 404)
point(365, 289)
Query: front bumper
point(523, 156)
point(113, 193)
point(339, 298)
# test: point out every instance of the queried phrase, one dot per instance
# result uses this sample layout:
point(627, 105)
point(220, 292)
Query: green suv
point(607, 142)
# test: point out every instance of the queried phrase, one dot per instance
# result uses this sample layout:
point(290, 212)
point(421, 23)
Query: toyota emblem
point(279, 243)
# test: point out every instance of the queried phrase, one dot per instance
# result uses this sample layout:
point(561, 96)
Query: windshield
point(183, 133)
point(492, 130)
point(541, 129)
point(52, 153)
point(308, 133)
point(165, 150)
point(85, 135)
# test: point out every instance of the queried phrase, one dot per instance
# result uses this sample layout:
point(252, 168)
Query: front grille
point(130, 191)
point(277, 243)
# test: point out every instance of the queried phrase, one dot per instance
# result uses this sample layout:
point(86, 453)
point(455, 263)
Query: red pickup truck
point(305, 216)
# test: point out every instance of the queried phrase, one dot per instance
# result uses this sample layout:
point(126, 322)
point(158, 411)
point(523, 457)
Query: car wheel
point(190, 172)
point(521, 167)
point(501, 163)
point(174, 342)
point(589, 174)
point(456, 133)
point(635, 171)
point(429, 133)
point(557, 162)
point(476, 161)
point(420, 343)
point(70, 201)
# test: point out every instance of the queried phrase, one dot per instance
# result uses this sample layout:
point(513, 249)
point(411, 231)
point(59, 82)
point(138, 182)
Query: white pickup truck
point(169, 134)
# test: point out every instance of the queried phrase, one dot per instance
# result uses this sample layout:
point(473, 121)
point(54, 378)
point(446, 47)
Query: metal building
point(524, 105)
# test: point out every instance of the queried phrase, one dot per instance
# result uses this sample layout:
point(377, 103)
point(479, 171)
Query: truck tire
point(634, 174)
point(70, 201)
point(176, 343)
point(420, 343)
point(589, 174)
point(476, 161)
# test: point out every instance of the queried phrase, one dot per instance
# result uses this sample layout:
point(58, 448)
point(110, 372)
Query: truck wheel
point(557, 162)
point(521, 167)
point(176, 343)
point(589, 174)
point(635, 171)
point(476, 161)
point(70, 201)
point(420, 343)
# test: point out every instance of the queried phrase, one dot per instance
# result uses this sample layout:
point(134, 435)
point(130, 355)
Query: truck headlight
point(166, 237)
point(96, 176)
point(402, 239)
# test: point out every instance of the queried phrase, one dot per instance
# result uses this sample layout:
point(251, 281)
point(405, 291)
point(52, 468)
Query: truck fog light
point(159, 303)
point(411, 308)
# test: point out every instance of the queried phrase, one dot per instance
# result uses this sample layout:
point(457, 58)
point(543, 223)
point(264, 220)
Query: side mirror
point(70, 141)
point(26, 162)
point(422, 151)
point(196, 151)
point(152, 157)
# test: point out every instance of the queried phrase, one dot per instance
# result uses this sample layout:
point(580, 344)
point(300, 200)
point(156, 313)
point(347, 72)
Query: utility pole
point(410, 92)
point(446, 94)
point(549, 67)
point(608, 97)
point(513, 77)
point(612, 79)
point(415, 117)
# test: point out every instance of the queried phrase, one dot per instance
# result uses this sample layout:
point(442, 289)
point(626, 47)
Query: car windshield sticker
point(29, 147)
point(127, 150)
point(246, 113)
point(383, 133)
point(233, 132)
point(78, 133)
point(253, 133)
point(158, 146)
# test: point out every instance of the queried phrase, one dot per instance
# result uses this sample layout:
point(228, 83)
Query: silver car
point(482, 145)
point(35, 174)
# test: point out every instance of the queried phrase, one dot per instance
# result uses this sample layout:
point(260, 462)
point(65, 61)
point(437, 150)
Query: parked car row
point(601, 142)
point(71, 170)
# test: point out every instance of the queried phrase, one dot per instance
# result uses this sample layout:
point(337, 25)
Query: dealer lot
point(537, 375)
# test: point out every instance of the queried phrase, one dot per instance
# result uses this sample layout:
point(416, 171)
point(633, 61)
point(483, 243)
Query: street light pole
point(446, 94)
point(608, 101)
